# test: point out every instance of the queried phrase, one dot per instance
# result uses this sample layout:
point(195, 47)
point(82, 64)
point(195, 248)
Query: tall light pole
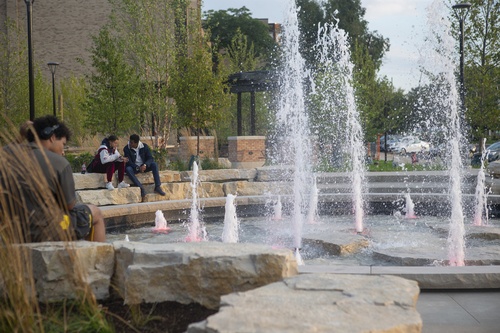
point(461, 10)
point(53, 67)
point(29, 10)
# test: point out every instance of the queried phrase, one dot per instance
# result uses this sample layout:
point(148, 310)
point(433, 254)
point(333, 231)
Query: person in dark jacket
point(140, 160)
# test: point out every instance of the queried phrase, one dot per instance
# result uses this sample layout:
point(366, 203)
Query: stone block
point(63, 269)
point(196, 272)
point(220, 175)
point(320, 303)
point(166, 176)
point(243, 188)
point(90, 181)
point(118, 196)
point(274, 173)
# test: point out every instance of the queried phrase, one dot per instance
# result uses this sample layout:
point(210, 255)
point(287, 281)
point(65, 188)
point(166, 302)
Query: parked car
point(493, 154)
point(392, 140)
point(411, 144)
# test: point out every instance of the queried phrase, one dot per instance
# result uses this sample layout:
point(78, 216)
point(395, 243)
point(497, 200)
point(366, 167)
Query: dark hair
point(106, 141)
point(46, 126)
point(134, 138)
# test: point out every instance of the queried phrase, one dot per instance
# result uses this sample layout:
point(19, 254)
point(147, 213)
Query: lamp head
point(461, 9)
point(53, 66)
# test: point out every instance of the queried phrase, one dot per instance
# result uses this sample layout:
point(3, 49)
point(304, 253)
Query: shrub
point(77, 160)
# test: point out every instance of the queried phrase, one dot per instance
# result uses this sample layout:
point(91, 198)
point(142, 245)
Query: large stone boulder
point(198, 272)
point(63, 269)
point(320, 303)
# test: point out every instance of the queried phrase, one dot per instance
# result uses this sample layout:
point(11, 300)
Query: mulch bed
point(171, 317)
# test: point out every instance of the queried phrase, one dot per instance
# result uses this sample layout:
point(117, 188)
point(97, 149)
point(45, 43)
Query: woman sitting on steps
point(108, 160)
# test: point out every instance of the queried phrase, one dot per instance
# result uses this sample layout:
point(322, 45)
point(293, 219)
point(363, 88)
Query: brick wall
point(62, 31)
point(247, 151)
point(188, 144)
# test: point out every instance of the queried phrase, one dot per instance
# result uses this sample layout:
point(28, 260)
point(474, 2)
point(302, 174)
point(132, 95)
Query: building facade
point(62, 30)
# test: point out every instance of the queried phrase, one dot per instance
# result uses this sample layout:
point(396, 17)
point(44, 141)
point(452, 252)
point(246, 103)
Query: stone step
point(90, 181)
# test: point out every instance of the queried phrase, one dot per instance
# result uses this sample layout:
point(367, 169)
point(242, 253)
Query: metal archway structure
point(250, 82)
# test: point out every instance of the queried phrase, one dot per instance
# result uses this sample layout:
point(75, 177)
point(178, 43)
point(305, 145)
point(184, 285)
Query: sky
point(402, 21)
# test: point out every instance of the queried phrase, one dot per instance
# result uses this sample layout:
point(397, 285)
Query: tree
point(14, 97)
point(366, 49)
point(224, 25)
point(111, 102)
point(482, 61)
point(73, 114)
point(350, 16)
point(199, 93)
point(242, 54)
point(155, 33)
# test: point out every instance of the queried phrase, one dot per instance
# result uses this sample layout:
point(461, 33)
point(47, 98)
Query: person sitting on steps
point(140, 160)
point(108, 160)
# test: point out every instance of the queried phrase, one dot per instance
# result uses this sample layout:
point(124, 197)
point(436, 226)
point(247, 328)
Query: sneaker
point(159, 190)
point(123, 185)
point(110, 186)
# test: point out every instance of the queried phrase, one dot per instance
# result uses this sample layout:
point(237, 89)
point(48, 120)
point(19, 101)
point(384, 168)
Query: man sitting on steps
point(141, 160)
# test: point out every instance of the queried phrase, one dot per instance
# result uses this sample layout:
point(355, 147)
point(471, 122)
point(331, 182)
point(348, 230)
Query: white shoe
point(110, 186)
point(123, 185)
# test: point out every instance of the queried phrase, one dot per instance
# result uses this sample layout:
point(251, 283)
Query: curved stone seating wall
point(262, 181)
point(256, 186)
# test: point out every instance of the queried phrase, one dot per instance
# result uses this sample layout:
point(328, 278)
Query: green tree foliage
point(242, 53)
point(14, 81)
point(482, 66)
point(224, 25)
point(199, 93)
point(367, 49)
point(111, 103)
point(73, 114)
point(350, 15)
point(155, 32)
point(14, 91)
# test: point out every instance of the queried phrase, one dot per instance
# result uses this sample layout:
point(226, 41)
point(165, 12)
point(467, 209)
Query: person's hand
point(143, 168)
point(125, 159)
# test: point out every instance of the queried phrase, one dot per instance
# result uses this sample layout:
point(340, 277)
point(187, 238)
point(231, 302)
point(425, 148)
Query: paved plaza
point(449, 311)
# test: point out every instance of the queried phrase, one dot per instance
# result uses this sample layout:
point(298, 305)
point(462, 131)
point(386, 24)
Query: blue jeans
point(153, 168)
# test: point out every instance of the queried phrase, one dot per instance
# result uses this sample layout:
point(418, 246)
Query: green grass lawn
point(388, 166)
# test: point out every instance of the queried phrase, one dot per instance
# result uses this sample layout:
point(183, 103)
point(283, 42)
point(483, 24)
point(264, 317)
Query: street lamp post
point(53, 67)
point(29, 10)
point(461, 10)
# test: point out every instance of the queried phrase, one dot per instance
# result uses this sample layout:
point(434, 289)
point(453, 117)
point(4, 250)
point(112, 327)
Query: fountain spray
point(334, 94)
point(196, 232)
point(410, 207)
point(292, 120)
point(231, 223)
point(481, 195)
point(448, 99)
point(160, 223)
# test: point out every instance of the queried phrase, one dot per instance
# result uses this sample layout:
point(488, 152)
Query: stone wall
point(247, 151)
point(188, 147)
